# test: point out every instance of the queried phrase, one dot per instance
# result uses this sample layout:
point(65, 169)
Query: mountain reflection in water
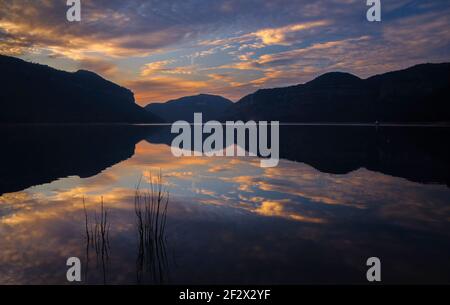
point(340, 195)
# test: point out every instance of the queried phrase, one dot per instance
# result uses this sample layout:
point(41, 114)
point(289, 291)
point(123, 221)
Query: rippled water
point(338, 196)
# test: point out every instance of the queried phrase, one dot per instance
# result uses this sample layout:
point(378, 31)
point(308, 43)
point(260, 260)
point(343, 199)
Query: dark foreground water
point(339, 195)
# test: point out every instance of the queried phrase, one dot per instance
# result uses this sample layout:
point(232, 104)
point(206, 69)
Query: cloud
point(153, 67)
point(161, 88)
point(281, 36)
point(284, 35)
point(106, 28)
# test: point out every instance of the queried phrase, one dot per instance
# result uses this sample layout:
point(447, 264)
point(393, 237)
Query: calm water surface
point(338, 196)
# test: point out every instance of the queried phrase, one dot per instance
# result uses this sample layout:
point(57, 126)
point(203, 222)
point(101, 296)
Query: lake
point(340, 195)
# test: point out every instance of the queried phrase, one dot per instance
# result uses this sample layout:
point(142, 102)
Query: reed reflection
point(97, 239)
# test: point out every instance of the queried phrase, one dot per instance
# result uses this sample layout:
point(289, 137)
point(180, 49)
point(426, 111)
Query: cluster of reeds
point(150, 205)
point(151, 214)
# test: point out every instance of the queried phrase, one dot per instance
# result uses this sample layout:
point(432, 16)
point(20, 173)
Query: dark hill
point(211, 106)
point(417, 94)
point(33, 93)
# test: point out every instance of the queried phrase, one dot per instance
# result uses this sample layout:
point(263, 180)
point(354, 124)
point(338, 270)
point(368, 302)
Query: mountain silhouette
point(417, 94)
point(33, 93)
point(211, 106)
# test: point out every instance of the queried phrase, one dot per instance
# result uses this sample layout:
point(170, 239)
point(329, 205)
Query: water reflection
point(415, 153)
point(41, 154)
point(33, 155)
point(229, 221)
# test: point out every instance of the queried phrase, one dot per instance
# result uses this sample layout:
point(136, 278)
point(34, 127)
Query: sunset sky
point(164, 49)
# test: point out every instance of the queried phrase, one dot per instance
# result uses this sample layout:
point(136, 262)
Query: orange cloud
point(280, 36)
point(162, 88)
point(268, 36)
point(154, 67)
